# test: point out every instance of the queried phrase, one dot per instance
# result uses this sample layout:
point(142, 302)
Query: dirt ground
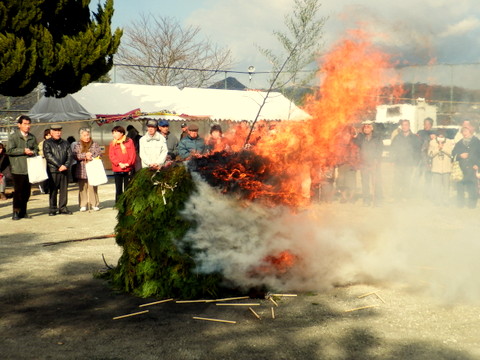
point(51, 306)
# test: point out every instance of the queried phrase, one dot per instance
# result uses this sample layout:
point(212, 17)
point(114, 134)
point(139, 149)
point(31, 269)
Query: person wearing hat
point(58, 154)
point(192, 144)
point(153, 147)
point(172, 141)
point(21, 145)
point(370, 151)
point(184, 133)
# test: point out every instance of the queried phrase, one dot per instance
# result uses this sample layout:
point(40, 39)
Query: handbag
point(457, 173)
point(96, 172)
point(37, 169)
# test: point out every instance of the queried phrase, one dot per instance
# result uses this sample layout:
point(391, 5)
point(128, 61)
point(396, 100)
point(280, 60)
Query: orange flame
point(354, 75)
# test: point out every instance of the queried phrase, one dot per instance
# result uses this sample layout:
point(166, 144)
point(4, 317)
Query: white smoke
point(424, 248)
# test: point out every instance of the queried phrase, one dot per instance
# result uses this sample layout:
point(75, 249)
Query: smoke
point(420, 247)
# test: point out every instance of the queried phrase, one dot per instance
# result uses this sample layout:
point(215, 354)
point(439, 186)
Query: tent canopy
point(50, 109)
point(235, 105)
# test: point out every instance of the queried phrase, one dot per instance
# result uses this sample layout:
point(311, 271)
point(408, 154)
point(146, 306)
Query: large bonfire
point(190, 231)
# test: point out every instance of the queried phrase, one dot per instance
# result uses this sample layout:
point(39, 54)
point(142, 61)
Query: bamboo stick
point(155, 303)
point(215, 320)
point(283, 294)
point(229, 299)
point(367, 294)
point(132, 314)
point(273, 301)
point(254, 313)
point(361, 308)
point(273, 312)
point(380, 298)
point(190, 301)
point(238, 304)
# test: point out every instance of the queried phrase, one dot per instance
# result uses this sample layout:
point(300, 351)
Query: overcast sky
point(442, 31)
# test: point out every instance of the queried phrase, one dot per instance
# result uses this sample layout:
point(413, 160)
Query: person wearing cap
point(58, 154)
point(192, 144)
point(184, 133)
point(122, 155)
point(153, 147)
point(467, 152)
point(21, 145)
point(370, 151)
point(172, 141)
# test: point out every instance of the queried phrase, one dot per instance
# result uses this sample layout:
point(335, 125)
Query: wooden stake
point(273, 312)
point(273, 301)
point(254, 313)
point(132, 314)
point(361, 308)
point(216, 320)
point(238, 304)
point(155, 303)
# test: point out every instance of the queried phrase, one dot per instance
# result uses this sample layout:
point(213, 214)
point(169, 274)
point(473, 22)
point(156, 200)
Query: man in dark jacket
point(467, 152)
point(405, 150)
point(58, 154)
point(192, 144)
point(371, 148)
point(21, 145)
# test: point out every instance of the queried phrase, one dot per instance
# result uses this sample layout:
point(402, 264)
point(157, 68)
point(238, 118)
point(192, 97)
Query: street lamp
point(251, 70)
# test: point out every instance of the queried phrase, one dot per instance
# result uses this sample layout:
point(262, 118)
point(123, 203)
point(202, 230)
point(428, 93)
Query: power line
point(207, 70)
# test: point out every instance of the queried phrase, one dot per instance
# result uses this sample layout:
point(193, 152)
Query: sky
point(412, 31)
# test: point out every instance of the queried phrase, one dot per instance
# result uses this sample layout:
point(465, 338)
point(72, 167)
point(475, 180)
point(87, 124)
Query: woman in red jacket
point(122, 155)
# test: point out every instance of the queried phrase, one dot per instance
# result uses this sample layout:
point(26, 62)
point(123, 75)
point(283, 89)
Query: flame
point(354, 76)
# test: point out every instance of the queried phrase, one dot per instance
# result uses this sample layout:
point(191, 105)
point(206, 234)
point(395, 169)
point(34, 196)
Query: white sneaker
point(83, 208)
point(96, 208)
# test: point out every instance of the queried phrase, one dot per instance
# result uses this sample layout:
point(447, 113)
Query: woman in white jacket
point(440, 154)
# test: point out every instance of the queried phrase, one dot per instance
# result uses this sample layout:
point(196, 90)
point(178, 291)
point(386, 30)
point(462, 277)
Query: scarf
point(85, 146)
point(121, 143)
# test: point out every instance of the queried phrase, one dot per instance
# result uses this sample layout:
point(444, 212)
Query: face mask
point(441, 139)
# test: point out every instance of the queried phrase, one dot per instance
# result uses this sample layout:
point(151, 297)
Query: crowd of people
point(423, 163)
point(66, 160)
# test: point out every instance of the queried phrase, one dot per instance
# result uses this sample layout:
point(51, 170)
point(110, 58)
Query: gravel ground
point(53, 308)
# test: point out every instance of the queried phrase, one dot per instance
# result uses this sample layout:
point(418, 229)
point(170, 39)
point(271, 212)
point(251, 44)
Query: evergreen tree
point(58, 43)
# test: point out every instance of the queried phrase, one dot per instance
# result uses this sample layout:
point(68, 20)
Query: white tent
point(234, 105)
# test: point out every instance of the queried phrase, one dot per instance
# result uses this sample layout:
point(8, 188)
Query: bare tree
point(301, 43)
point(158, 51)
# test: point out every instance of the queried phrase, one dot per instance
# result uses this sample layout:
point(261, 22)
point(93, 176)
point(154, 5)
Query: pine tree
point(58, 43)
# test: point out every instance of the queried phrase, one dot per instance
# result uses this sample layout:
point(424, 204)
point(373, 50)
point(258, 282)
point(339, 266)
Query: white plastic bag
point(96, 172)
point(37, 169)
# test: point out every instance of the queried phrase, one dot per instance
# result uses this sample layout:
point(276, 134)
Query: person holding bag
point(85, 151)
point(21, 145)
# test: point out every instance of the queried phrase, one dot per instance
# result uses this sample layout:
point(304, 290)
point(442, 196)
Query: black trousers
point(22, 189)
point(121, 182)
point(58, 185)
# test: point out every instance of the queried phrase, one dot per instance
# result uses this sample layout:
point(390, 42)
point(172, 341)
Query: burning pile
point(183, 237)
